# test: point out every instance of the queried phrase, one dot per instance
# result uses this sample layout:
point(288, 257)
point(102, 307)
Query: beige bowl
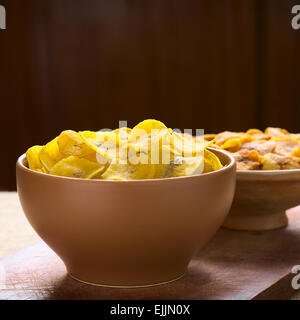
point(127, 233)
point(261, 199)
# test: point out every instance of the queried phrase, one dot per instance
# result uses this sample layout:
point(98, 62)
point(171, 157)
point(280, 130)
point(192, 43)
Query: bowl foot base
point(256, 222)
point(124, 286)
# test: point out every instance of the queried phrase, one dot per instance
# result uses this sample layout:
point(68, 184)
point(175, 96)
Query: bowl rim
point(268, 172)
point(266, 176)
point(228, 167)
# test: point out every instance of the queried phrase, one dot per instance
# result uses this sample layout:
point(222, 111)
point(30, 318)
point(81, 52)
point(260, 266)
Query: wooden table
point(234, 265)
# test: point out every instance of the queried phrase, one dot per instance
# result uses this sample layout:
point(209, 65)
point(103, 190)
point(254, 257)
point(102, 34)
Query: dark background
point(85, 64)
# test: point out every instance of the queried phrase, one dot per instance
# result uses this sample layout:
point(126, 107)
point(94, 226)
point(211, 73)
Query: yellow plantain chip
point(117, 171)
point(162, 170)
point(77, 168)
point(88, 134)
point(149, 125)
point(188, 146)
point(123, 133)
point(151, 147)
point(183, 145)
point(145, 127)
point(70, 143)
point(106, 144)
point(183, 166)
point(211, 162)
point(50, 154)
point(148, 151)
point(33, 158)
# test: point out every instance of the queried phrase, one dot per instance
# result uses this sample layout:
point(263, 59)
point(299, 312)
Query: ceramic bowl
point(126, 233)
point(261, 199)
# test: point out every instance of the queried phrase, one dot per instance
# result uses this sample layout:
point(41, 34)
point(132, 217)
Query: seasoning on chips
point(148, 151)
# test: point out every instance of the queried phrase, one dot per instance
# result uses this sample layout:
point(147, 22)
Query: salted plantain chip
point(88, 134)
point(43, 170)
point(33, 158)
point(123, 133)
point(211, 162)
point(117, 171)
point(183, 145)
point(145, 128)
point(186, 145)
point(50, 154)
point(149, 146)
point(77, 168)
point(184, 166)
point(150, 150)
point(148, 126)
point(70, 143)
point(105, 144)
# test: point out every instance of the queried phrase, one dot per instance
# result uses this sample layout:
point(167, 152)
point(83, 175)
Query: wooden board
point(234, 265)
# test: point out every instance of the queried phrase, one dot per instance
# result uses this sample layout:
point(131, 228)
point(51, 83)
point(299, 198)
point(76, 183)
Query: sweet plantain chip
point(50, 154)
point(257, 134)
point(296, 153)
point(274, 161)
point(232, 145)
point(273, 132)
point(77, 168)
point(285, 145)
point(209, 137)
point(235, 144)
point(248, 160)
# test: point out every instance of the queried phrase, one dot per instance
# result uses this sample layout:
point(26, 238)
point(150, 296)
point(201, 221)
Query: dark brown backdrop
point(230, 64)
